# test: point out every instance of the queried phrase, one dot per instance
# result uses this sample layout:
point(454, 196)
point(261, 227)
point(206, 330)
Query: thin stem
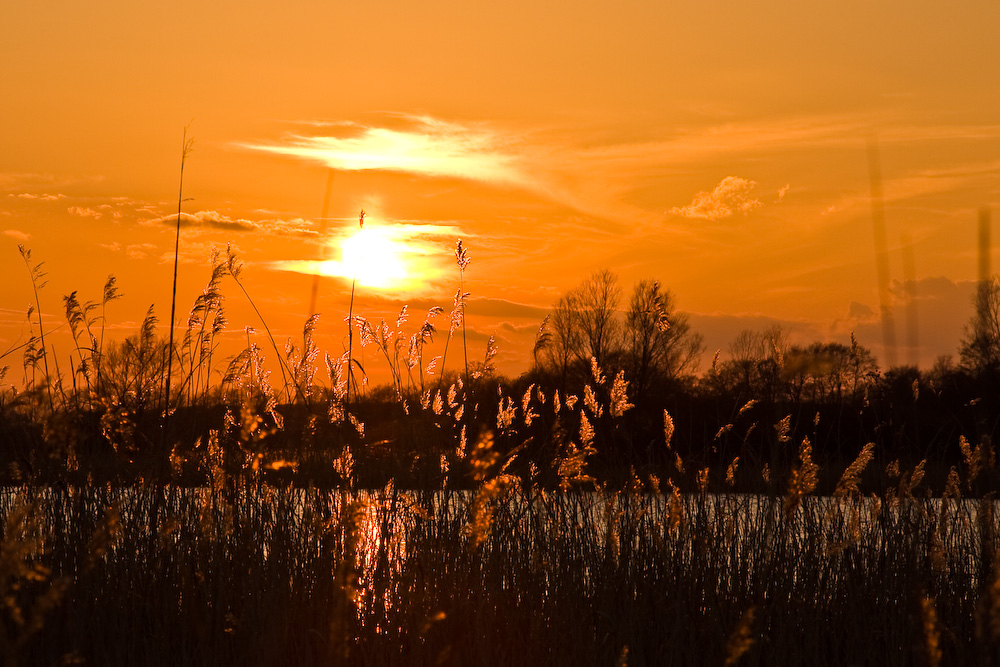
point(350, 318)
point(282, 364)
point(35, 273)
point(185, 151)
point(350, 342)
point(444, 355)
point(41, 338)
point(314, 298)
point(465, 347)
point(110, 294)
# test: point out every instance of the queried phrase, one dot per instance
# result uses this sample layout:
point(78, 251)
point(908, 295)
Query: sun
point(372, 258)
point(393, 258)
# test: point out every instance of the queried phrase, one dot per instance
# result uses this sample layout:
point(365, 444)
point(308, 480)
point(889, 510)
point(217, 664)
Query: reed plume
point(37, 276)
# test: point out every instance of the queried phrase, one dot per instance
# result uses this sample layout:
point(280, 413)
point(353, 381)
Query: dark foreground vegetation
point(793, 505)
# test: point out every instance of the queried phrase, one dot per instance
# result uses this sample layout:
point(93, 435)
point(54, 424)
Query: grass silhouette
point(474, 519)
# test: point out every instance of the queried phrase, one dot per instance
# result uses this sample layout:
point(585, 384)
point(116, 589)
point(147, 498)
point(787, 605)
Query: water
point(737, 535)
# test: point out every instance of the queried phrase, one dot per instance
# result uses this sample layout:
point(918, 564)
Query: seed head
point(461, 256)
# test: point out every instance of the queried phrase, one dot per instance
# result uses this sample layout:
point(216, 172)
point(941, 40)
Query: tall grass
point(37, 275)
point(246, 571)
point(350, 320)
point(186, 146)
point(465, 522)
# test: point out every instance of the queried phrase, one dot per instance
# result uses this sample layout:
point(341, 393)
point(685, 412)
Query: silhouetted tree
point(659, 343)
point(980, 349)
point(824, 372)
point(651, 341)
point(585, 326)
point(754, 369)
point(562, 348)
point(597, 302)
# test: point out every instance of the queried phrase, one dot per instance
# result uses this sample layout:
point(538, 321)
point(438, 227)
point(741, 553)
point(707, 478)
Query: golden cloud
point(731, 195)
point(428, 147)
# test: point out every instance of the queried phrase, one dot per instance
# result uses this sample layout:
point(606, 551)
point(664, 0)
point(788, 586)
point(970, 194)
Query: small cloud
point(113, 247)
point(17, 234)
point(783, 191)
point(731, 195)
point(139, 250)
point(83, 212)
point(11, 180)
point(210, 219)
point(940, 307)
point(829, 209)
point(860, 312)
point(508, 309)
point(296, 226)
point(38, 197)
point(221, 221)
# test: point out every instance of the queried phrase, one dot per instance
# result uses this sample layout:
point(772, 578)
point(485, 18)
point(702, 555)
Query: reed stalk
point(36, 274)
point(186, 146)
point(350, 323)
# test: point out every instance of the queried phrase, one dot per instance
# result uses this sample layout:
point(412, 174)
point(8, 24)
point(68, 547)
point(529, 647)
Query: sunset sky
point(719, 147)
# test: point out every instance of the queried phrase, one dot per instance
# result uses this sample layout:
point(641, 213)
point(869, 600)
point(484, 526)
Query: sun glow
point(371, 258)
point(402, 257)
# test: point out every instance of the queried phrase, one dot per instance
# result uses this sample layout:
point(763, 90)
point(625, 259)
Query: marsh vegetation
point(792, 505)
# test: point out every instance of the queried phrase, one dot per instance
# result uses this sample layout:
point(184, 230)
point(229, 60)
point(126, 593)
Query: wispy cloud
point(504, 308)
point(210, 219)
point(293, 226)
point(17, 234)
point(731, 195)
point(801, 133)
point(860, 312)
point(942, 308)
point(28, 182)
point(919, 183)
point(908, 132)
point(139, 250)
point(617, 181)
point(83, 212)
point(38, 196)
point(596, 178)
point(17, 180)
point(424, 146)
point(224, 222)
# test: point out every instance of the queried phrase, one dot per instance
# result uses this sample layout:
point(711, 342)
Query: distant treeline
point(613, 389)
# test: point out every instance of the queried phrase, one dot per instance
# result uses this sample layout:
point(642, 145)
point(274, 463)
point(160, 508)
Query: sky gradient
point(721, 148)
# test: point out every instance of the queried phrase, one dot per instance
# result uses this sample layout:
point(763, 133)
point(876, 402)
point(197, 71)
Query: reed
point(350, 321)
point(186, 147)
point(471, 520)
point(37, 275)
point(246, 570)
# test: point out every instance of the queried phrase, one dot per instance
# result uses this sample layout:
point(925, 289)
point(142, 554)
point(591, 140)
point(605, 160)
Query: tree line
point(834, 391)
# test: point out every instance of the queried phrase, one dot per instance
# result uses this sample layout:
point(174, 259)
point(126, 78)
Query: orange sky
point(718, 147)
